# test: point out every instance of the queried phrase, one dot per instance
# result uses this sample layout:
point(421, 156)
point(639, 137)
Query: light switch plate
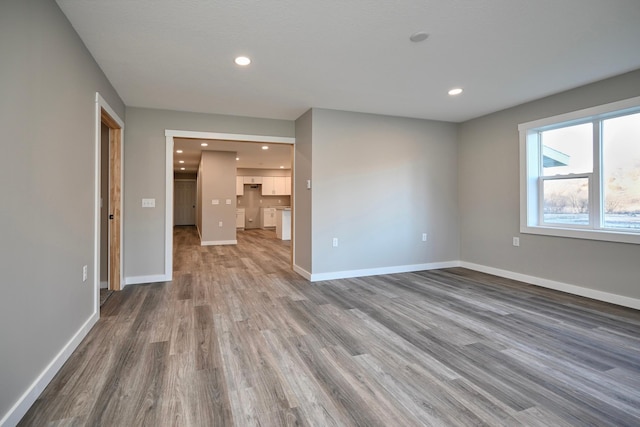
point(215, 202)
point(227, 202)
point(148, 203)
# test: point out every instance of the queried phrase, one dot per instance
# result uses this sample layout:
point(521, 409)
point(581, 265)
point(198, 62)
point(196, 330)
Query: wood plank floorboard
point(239, 339)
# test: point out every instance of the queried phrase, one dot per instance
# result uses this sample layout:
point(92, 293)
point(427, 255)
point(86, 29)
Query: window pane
point(621, 171)
point(566, 201)
point(567, 150)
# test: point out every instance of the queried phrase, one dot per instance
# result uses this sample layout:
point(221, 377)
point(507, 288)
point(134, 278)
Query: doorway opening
point(174, 177)
point(109, 144)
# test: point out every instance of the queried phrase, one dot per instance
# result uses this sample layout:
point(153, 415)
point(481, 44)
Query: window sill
point(602, 235)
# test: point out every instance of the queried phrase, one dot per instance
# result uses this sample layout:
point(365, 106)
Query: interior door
point(115, 199)
point(184, 205)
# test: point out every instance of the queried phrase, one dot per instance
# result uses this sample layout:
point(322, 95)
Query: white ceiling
point(249, 154)
point(354, 55)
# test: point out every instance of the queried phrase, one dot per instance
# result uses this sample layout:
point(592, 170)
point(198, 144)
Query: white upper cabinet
point(268, 186)
point(276, 186)
point(287, 185)
point(252, 180)
point(239, 185)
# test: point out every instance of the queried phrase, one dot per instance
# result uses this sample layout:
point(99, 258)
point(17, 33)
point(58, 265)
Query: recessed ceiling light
point(265, 147)
point(455, 91)
point(183, 169)
point(180, 161)
point(420, 36)
point(242, 60)
point(281, 167)
point(179, 151)
point(204, 144)
point(237, 158)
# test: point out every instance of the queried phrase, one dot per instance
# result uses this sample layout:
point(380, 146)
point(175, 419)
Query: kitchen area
point(207, 174)
point(264, 201)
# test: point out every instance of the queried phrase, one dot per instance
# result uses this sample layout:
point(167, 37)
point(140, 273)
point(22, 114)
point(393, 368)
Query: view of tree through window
point(621, 171)
point(568, 173)
point(567, 151)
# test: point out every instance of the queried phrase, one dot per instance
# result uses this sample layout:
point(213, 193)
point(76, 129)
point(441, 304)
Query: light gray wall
point(489, 200)
point(379, 182)
point(302, 196)
point(218, 173)
point(48, 82)
point(144, 174)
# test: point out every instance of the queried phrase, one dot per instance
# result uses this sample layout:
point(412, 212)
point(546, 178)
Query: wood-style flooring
point(104, 295)
point(238, 339)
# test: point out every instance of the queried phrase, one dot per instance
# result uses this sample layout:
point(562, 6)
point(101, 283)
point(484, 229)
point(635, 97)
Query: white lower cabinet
point(239, 218)
point(268, 217)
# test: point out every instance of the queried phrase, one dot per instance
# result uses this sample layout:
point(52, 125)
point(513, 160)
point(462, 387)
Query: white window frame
point(531, 177)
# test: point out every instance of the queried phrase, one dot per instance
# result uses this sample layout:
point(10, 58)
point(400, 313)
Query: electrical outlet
point(335, 242)
point(84, 273)
point(516, 241)
point(220, 224)
point(424, 237)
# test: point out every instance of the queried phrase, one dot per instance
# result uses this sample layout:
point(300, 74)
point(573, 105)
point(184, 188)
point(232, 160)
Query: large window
point(580, 174)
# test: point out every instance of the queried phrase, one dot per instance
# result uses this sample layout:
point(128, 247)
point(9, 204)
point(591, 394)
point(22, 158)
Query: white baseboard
point(378, 271)
point(136, 280)
point(17, 411)
point(532, 280)
point(104, 284)
point(218, 242)
point(558, 286)
point(301, 271)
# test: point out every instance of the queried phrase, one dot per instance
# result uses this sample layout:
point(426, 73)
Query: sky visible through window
point(576, 143)
point(565, 201)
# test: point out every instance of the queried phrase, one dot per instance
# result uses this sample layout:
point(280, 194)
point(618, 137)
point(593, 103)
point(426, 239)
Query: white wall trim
point(20, 408)
point(229, 136)
point(558, 286)
point(168, 209)
point(101, 104)
point(383, 270)
point(301, 271)
point(152, 278)
point(532, 280)
point(169, 135)
point(218, 242)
